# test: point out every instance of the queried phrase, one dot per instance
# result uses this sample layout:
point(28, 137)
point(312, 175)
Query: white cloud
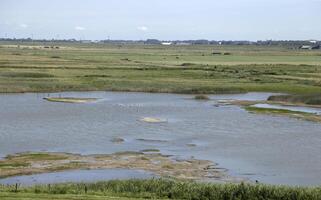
point(142, 28)
point(23, 26)
point(80, 28)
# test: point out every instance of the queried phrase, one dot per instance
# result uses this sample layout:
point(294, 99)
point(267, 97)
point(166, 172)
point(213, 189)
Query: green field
point(160, 189)
point(28, 67)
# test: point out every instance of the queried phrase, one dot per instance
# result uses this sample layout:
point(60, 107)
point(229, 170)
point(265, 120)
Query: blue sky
point(162, 19)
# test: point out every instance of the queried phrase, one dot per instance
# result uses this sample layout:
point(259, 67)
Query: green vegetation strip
point(308, 100)
point(163, 189)
point(193, 69)
point(290, 113)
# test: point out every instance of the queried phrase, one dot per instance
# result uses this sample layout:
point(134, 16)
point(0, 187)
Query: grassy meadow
point(29, 67)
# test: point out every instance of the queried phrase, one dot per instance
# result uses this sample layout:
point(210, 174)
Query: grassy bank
point(283, 112)
point(162, 189)
point(298, 99)
point(178, 69)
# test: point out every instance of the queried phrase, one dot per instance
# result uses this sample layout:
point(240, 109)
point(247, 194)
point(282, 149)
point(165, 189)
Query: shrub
point(201, 97)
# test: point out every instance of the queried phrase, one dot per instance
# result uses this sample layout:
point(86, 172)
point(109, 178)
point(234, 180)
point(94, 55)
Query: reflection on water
point(271, 149)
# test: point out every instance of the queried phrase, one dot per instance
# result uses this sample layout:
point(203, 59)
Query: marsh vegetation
point(154, 68)
point(161, 189)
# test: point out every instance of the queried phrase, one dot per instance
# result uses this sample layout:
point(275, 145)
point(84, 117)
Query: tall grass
point(163, 188)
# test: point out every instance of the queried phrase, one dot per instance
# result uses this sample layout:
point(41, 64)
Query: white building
point(166, 43)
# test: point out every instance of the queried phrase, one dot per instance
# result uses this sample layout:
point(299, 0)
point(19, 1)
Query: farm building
point(310, 47)
point(166, 43)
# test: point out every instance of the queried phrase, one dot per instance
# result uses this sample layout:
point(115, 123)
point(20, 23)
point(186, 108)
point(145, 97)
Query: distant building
point(167, 43)
point(310, 47)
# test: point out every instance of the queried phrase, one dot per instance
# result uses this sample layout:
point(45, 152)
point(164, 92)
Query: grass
point(301, 99)
point(177, 69)
point(201, 97)
point(290, 113)
point(22, 160)
point(272, 110)
point(13, 164)
point(35, 156)
point(162, 189)
point(26, 75)
point(32, 196)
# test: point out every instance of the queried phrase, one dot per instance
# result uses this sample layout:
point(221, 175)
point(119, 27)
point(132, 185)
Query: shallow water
point(77, 176)
point(271, 149)
point(311, 110)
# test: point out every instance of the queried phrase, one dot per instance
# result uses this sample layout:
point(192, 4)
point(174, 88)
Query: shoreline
point(249, 106)
point(162, 165)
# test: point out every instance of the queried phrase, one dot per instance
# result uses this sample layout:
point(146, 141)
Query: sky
point(161, 19)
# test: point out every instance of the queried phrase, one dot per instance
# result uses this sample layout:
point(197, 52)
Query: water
point(311, 110)
point(271, 149)
point(77, 176)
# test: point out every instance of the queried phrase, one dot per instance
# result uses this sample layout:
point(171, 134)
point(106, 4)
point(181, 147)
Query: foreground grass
point(192, 69)
point(33, 196)
point(162, 189)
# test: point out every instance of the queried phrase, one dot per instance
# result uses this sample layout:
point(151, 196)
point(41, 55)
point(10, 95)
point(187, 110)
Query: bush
point(201, 97)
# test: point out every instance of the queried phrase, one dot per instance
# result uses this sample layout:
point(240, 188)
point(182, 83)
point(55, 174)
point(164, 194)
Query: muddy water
point(271, 149)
